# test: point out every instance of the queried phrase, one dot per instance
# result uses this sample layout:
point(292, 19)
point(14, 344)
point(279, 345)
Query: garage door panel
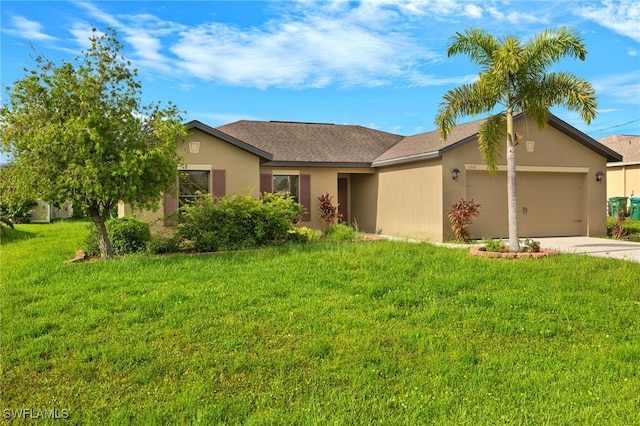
point(549, 204)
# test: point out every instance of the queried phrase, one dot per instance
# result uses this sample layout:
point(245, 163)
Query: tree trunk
point(106, 251)
point(512, 198)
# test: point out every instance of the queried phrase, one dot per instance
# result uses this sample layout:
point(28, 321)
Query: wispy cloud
point(307, 43)
point(27, 29)
point(624, 88)
point(621, 16)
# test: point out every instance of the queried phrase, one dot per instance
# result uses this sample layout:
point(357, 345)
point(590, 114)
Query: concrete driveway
point(594, 247)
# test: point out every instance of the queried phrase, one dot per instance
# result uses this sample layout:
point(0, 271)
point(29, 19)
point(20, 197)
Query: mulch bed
point(481, 251)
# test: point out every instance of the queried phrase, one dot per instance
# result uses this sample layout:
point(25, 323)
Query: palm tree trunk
point(512, 198)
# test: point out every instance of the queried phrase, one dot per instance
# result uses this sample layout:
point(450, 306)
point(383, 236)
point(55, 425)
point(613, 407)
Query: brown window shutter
point(305, 196)
point(266, 183)
point(170, 207)
point(218, 186)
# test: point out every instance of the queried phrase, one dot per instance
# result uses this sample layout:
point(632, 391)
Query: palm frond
point(475, 43)
point(490, 138)
point(572, 92)
point(551, 45)
point(468, 99)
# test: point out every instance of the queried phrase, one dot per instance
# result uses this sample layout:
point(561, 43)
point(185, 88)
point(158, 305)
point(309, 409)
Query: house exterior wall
point(44, 212)
point(623, 179)
point(242, 171)
point(554, 156)
point(410, 200)
point(242, 167)
point(323, 179)
point(364, 201)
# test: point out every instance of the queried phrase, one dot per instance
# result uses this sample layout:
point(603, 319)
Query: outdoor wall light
point(599, 176)
point(454, 174)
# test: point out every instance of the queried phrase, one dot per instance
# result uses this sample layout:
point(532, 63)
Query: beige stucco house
point(623, 177)
point(404, 186)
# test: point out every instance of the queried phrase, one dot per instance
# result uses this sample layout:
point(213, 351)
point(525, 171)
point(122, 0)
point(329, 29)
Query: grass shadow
point(9, 235)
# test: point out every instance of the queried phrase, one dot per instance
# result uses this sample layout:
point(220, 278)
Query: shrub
point(162, 244)
point(237, 222)
point(127, 235)
point(304, 235)
point(531, 246)
point(19, 213)
point(494, 245)
point(460, 214)
point(617, 229)
point(341, 232)
point(328, 211)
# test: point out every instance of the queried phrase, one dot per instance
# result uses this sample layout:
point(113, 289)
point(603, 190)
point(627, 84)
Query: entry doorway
point(343, 199)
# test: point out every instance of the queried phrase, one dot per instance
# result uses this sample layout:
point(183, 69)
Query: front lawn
point(333, 333)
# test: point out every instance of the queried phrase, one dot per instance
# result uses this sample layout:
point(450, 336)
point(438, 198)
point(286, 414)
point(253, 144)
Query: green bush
point(341, 232)
point(494, 245)
point(127, 235)
point(237, 222)
point(162, 244)
point(19, 213)
point(304, 235)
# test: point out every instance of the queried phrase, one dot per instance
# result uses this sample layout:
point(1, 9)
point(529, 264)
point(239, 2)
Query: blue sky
point(380, 64)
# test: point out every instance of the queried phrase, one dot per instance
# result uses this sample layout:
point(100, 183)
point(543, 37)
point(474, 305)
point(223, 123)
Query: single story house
point(404, 185)
point(623, 177)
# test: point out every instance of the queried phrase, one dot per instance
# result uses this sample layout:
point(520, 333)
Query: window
point(286, 184)
point(193, 183)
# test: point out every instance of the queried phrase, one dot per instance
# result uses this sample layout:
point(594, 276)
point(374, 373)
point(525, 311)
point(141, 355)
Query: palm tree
point(514, 76)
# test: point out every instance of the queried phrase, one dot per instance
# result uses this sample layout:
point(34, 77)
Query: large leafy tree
point(514, 78)
point(78, 132)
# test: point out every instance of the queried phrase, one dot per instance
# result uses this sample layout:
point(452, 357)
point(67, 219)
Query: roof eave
point(584, 139)
point(407, 159)
point(329, 164)
point(264, 155)
point(623, 163)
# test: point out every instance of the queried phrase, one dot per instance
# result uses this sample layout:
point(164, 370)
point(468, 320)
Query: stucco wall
point(622, 180)
point(242, 167)
point(364, 201)
point(410, 200)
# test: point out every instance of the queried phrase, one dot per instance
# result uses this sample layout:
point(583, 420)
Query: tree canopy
point(79, 132)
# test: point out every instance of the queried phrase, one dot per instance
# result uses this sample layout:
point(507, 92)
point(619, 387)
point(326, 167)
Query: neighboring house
point(623, 177)
point(44, 212)
point(403, 186)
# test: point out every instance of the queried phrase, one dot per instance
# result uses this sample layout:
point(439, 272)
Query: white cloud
point(473, 11)
point(624, 88)
point(341, 46)
point(513, 17)
point(621, 16)
point(27, 29)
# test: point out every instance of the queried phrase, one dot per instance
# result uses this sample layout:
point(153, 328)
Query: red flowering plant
point(460, 215)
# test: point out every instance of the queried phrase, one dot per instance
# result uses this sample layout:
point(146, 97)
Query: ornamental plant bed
point(482, 251)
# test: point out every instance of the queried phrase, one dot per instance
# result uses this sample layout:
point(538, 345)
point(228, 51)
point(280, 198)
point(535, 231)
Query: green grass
point(342, 334)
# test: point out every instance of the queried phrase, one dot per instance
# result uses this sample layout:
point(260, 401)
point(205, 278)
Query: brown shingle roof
point(429, 144)
point(294, 143)
point(626, 145)
point(291, 142)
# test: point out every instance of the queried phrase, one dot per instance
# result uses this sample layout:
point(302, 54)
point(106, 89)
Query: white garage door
point(549, 204)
